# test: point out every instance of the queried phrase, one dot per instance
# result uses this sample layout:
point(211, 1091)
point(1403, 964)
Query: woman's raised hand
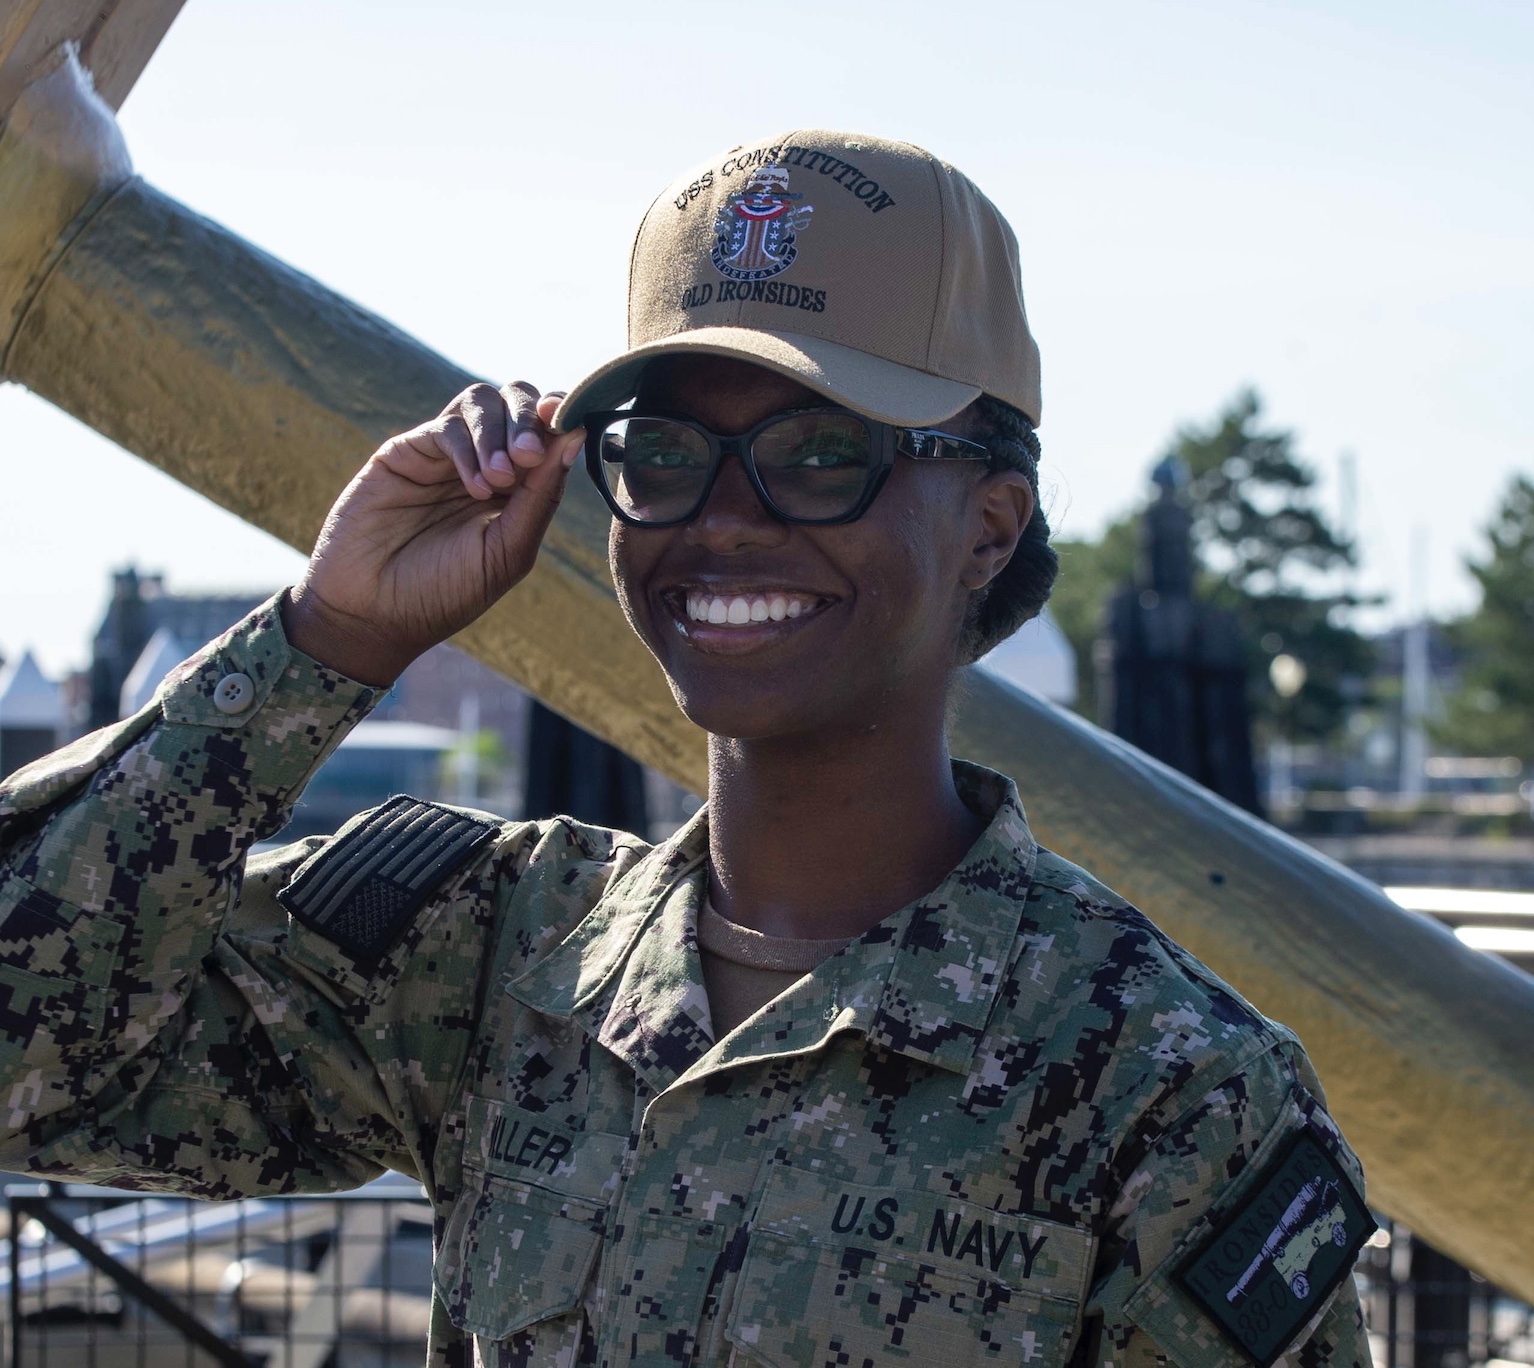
point(440, 522)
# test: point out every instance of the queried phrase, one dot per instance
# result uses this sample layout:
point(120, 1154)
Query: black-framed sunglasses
point(814, 465)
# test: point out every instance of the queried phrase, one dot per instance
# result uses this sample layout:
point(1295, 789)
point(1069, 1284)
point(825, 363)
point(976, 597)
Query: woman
point(847, 1072)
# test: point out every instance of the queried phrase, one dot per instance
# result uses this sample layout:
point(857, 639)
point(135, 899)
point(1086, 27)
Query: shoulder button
point(233, 693)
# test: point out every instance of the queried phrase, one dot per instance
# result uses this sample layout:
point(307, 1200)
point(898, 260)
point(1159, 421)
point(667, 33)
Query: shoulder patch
point(361, 889)
point(1265, 1269)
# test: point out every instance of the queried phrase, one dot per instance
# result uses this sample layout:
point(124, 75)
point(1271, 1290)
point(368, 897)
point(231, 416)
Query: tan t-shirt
point(744, 970)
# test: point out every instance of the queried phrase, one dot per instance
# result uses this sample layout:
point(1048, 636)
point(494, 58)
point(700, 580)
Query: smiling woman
point(849, 1070)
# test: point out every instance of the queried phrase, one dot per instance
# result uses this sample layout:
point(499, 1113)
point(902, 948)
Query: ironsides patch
point(362, 889)
point(1272, 1262)
point(756, 231)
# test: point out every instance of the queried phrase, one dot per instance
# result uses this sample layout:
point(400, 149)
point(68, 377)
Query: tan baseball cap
point(867, 270)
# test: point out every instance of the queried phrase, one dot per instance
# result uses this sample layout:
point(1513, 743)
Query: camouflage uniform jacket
point(986, 1132)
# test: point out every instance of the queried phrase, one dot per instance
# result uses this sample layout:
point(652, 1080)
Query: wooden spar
point(263, 390)
point(115, 39)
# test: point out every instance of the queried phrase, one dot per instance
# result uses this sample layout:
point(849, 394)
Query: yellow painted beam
point(263, 390)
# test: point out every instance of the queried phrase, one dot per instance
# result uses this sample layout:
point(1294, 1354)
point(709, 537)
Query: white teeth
point(740, 610)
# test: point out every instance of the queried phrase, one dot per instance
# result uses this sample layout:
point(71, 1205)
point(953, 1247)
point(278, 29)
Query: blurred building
point(145, 622)
point(31, 714)
point(1384, 750)
point(375, 761)
point(1385, 783)
point(451, 729)
point(1039, 658)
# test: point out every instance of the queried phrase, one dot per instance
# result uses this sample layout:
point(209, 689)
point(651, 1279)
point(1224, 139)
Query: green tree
point(1266, 552)
point(1271, 556)
point(1492, 712)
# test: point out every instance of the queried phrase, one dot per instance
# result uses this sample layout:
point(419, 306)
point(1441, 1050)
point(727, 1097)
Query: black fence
point(1426, 1311)
point(106, 1280)
point(97, 1279)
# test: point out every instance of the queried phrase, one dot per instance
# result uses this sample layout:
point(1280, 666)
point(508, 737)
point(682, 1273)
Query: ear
point(1000, 507)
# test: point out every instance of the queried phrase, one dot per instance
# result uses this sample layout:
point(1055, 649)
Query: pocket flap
point(848, 1272)
point(514, 1254)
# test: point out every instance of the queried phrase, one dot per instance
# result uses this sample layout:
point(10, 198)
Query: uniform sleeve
point(1231, 1244)
point(163, 1022)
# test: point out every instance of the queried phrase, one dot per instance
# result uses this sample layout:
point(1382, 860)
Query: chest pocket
point(840, 1273)
point(522, 1241)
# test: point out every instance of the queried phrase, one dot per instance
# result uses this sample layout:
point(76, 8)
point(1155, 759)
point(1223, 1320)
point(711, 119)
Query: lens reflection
point(813, 466)
point(654, 467)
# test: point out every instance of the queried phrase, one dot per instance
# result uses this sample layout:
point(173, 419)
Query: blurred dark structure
point(572, 773)
point(1172, 670)
point(1442, 1312)
point(139, 608)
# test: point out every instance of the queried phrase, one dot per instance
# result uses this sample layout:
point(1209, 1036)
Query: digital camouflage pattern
point(988, 1131)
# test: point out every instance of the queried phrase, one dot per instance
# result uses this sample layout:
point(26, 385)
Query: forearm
point(113, 891)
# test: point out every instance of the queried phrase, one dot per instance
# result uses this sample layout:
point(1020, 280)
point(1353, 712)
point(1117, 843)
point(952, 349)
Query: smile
point(744, 610)
point(733, 622)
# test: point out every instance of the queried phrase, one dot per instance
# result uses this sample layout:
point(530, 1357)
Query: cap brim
point(870, 384)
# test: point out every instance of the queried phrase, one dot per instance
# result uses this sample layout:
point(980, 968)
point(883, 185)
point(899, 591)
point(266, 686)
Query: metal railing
point(103, 1279)
point(1425, 1311)
point(100, 1279)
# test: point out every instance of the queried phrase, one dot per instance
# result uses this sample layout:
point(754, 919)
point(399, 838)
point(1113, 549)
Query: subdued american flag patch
point(363, 887)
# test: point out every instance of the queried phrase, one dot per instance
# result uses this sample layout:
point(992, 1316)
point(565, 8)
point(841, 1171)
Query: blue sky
point(1330, 202)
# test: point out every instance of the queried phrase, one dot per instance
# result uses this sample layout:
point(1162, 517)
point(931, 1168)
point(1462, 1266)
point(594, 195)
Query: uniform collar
point(921, 983)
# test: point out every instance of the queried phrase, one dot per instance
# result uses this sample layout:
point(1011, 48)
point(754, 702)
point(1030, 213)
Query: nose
point(734, 518)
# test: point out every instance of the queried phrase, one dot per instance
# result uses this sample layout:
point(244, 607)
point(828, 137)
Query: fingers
point(434, 453)
point(566, 445)
point(514, 537)
point(480, 432)
point(483, 411)
point(491, 438)
point(456, 441)
point(529, 432)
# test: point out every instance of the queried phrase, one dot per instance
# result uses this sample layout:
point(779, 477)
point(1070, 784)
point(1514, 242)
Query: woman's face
point(870, 610)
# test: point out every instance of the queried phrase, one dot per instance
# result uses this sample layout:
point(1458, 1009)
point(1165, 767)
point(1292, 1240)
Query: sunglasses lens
point(654, 468)
point(815, 466)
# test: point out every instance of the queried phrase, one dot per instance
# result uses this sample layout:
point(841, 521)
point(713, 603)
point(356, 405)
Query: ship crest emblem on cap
point(756, 232)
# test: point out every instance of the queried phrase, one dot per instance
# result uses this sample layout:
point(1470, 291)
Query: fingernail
point(572, 452)
point(479, 482)
point(528, 441)
point(499, 460)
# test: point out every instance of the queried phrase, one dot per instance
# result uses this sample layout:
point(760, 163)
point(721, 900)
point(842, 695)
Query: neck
point(816, 838)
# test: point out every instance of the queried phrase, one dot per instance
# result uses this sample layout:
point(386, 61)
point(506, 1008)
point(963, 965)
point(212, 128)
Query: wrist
point(340, 641)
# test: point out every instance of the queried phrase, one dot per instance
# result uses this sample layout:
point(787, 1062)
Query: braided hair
point(1021, 589)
